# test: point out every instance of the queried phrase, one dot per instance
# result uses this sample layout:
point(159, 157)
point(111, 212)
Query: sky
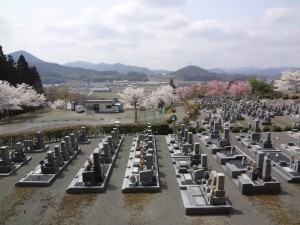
point(158, 34)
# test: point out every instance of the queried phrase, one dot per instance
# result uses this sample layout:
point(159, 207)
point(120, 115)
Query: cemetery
point(200, 184)
point(93, 177)
point(142, 174)
point(53, 165)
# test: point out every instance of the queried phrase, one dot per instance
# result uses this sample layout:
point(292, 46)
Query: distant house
point(104, 106)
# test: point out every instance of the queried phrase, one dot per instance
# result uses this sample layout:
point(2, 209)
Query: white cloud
point(281, 16)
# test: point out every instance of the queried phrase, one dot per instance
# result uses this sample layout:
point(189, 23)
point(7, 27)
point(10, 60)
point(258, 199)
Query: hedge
point(57, 134)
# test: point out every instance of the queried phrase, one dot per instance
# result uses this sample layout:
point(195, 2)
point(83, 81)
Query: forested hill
point(195, 73)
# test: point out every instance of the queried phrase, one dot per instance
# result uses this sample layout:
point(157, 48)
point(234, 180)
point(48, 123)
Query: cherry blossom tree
point(240, 88)
point(132, 96)
point(16, 98)
point(201, 90)
point(163, 96)
point(216, 88)
point(8, 98)
point(289, 82)
point(28, 96)
point(184, 92)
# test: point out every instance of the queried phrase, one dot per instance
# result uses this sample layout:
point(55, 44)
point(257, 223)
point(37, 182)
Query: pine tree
point(4, 69)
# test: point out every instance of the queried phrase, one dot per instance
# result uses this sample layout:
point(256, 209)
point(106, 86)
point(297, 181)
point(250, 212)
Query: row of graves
point(202, 189)
point(55, 162)
point(94, 175)
point(11, 162)
point(286, 166)
point(250, 176)
point(142, 174)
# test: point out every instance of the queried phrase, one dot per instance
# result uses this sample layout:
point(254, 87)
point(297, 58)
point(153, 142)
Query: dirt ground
point(51, 205)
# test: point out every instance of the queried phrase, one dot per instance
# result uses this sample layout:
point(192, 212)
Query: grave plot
point(293, 148)
point(264, 145)
point(82, 137)
point(36, 146)
point(212, 139)
point(199, 194)
point(53, 165)
point(285, 166)
point(94, 175)
point(253, 139)
point(11, 163)
point(179, 146)
point(142, 173)
point(251, 178)
point(206, 198)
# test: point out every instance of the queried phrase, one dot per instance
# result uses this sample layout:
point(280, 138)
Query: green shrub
point(294, 97)
point(161, 129)
point(170, 119)
point(57, 134)
point(235, 130)
point(287, 128)
point(285, 97)
point(192, 129)
point(266, 129)
point(201, 129)
point(245, 129)
point(277, 129)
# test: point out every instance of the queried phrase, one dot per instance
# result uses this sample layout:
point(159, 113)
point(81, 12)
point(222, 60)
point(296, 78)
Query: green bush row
point(57, 134)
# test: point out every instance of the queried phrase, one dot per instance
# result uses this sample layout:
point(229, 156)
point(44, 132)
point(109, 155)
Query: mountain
point(55, 73)
point(124, 69)
point(29, 57)
point(195, 73)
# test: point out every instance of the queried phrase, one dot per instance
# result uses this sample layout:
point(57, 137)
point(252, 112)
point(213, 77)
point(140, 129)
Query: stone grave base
point(78, 187)
point(293, 149)
point(15, 167)
point(248, 187)
point(287, 173)
point(36, 179)
point(128, 187)
point(195, 202)
point(38, 150)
